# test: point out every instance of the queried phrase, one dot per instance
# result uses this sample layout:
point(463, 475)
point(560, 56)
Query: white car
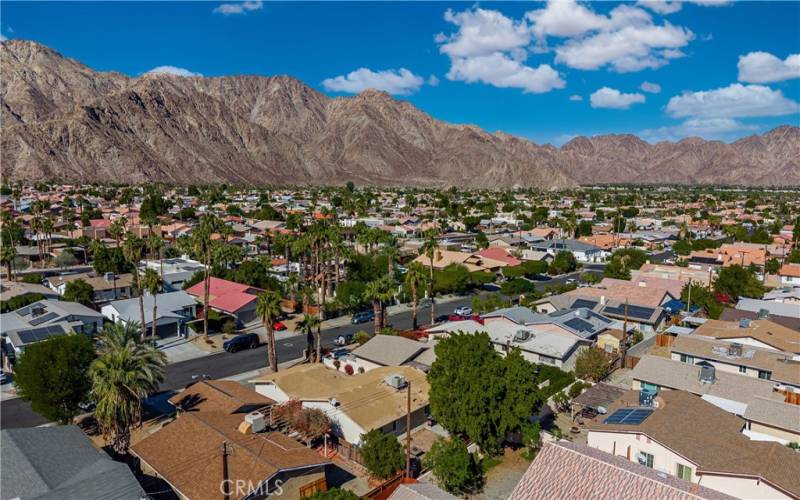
point(463, 311)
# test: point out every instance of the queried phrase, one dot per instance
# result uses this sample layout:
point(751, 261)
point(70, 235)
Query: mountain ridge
point(63, 120)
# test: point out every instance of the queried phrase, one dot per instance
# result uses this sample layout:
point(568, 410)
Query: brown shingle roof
point(768, 332)
point(219, 395)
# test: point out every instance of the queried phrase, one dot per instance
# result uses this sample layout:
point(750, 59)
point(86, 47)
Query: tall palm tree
point(415, 278)
point(203, 247)
point(7, 255)
point(430, 249)
point(152, 283)
point(380, 292)
point(155, 244)
point(132, 250)
point(124, 374)
point(268, 309)
point(307, 325)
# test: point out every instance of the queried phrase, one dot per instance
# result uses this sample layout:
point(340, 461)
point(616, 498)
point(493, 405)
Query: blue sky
point(545, 71)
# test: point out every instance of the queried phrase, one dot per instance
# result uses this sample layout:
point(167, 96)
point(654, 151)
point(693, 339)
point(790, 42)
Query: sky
point(547, 71)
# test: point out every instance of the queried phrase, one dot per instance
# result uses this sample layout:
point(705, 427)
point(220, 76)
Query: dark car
point(240, 342)
point(442, 318)
point(363, 317)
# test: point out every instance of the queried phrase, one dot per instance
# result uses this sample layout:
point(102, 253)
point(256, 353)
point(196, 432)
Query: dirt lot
point(503, 477)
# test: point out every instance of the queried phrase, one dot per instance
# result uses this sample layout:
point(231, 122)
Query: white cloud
point(397, 82)
point(733, 101)
point(433, 80)
point(763, 67)
point(575, 97)
point(614, 99)
point(172, 70)
point(3, 38)
point(490, 48)
point(626, 39)
point(707, 128)
point(228, 9)
point(652, 88)
point(661, 6)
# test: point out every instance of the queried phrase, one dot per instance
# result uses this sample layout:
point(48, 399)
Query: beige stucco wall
point(741, 487)
point(772, 431)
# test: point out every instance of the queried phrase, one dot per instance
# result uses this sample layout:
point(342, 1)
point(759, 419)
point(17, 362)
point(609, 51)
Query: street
point(18, 413)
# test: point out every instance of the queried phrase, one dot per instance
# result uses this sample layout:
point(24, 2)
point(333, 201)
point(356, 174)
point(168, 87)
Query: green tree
point(414, 279)
point(591, 364)
point(379, 292)
point(53, 376)
point(7, 255)
point(584, 228)
point(268, 309)
point(333, 494)
point(79, 291)
point(307, 326)
point(532, 437)
point(382, 453)
point(682, 247)
point(430, 249)
point(454, 468)
point(132, 249)
point(125, 374)
point(623, 261)
point(563, 263)
point(484, 399)
point(700, 296)
point(772, 266)
point(736, 281)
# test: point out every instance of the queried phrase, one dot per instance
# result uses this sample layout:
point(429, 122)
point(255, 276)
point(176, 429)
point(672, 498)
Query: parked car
point(363, 317)
point(241, 342)
point(441, 318)
point(4, 378)
point(344, 339)
point(571, 281)
point(463, 311)
point(279, 326)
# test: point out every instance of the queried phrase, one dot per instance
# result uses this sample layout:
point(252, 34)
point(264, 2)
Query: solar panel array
point(629, 416)
point(579, 325)
point(38, 334)
point(41, 319)
point(637, 312)
point(588, 304)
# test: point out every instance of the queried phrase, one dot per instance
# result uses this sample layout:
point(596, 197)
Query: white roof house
point(173, 310)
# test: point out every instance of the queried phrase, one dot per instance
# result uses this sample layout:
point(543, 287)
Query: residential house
point(733, 357)
point(583, 252)
point(10, 289)
point(790, 274)
point(697, 273)
point(682, 435)
point(785, 295)
point(770, 415)
point(571, 470)
point(174, 310)
point(47, 318)
point(355, 404)
point(61, 463)
point(761, 333)
point(228, 297)
point(410, 489)
point(385, 350)
point(175, 271)
point(108, 286)
point(536, 346)
point(216, 417)
point(639, 316)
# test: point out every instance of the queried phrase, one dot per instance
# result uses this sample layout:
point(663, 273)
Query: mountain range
point(62, 120)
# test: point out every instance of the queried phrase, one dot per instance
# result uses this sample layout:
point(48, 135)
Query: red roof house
point(500, 254)
point(229, 297)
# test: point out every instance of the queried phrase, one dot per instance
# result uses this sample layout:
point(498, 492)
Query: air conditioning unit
point(744, 323)
point(256, 420)
point(522, 335)
point(735, 349)
point(334, 402)
point(396, 381)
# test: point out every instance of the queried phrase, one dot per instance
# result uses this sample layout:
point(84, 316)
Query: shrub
point(454, 468)
point(348, 369)
point(591, 364)
point(382, 453)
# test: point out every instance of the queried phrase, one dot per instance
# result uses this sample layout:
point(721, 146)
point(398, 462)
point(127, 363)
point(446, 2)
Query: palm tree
point(379, 291)
point(203, 247)
point(307, 325)
point(7, 255)
point(155, 244)
point(430, 248)
point(414, 278)
point(132, 249)
point(268, 309)
point(152, 282)
point(124, 374)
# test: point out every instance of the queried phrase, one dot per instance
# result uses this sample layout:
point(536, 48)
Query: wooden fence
point(663, 340)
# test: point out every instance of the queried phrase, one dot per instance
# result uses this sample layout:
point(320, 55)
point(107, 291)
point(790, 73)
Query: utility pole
point(408, 429)
point(226, 484)
point(623, 347)
point(689, 301)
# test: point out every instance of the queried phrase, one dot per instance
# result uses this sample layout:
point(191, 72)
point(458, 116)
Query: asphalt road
point(18, 413)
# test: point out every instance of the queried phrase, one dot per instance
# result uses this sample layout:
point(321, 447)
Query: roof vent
point(735, 349)
point(396, 381)
point(334, 402)
point(763, 313)
point(582, 313)
point(744, 323)
point(522, 335)
point(643, 284)
point(707, 374)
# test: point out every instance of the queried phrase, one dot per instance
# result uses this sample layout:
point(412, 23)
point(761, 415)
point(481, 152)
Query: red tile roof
point(225, 295)
point(501, 254)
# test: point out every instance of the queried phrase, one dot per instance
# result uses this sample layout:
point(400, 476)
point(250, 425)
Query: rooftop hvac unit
point(522, 336)
point(646, 397)
point(744, 323)
point(763, 313)
point(108, 277)
point(735, 349)
point(396, 381)
point(256, 420)
point(707, 374)
point(37, 311)
point(334, 402)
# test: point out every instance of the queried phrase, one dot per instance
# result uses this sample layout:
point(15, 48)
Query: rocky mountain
point(63, 120)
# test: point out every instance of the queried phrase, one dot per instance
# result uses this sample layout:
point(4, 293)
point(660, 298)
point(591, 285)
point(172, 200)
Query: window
point(645, 459)
point(687, 359)
point(764, 374)
point(742, 369)
point(684, 472)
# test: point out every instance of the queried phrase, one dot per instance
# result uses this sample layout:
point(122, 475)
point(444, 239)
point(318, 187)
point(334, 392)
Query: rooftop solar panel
point(41, 319)
point(629, 416)
point(637, 312)
point(579, 325)
point(589, 304)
